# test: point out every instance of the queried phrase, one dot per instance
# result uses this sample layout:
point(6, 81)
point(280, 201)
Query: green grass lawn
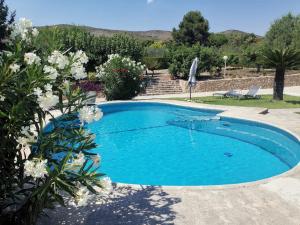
point(265, 102)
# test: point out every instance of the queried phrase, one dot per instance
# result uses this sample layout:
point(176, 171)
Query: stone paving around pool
point(274, 201)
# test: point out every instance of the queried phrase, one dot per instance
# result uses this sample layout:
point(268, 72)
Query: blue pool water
point(161, 144)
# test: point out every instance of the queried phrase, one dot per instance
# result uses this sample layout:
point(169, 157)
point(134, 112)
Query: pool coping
point(227, 112)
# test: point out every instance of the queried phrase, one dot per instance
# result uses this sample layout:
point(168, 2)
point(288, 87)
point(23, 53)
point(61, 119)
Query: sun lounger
point(226, 94)
point(252, 93)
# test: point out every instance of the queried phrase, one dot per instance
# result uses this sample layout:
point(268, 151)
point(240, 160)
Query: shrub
point(121, 77)
point(41, 166)
point(181, 60)
point(182, 57)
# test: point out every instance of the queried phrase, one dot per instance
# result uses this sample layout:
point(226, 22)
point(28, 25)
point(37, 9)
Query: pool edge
point(224, 110)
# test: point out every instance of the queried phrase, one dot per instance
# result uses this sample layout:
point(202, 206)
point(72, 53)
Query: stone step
point(159, 86)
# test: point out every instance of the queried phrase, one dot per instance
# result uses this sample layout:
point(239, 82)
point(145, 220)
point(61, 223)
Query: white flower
point(31, 58)
point(21, 29)
point(58, 59)
point(80, 57)
point(78, 72)
point(89, 114)
point(35, 168)
point(112, 56)
point(47, 100)
point(28, 137)
point(37, 91)
point(48, 87)
point(106, 185)
point(35, 32)
point(2, 98)
point(82, 196)
point(14, 68)
point(100, 71)
point(52, 72)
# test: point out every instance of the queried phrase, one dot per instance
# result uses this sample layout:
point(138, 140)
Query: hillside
point(230, 32)
point(144, 35)
point(160, 35)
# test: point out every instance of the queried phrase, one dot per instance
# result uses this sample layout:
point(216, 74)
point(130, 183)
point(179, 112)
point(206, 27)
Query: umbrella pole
point(190, 92)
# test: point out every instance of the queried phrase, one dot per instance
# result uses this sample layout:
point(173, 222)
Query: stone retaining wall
point(239, 83)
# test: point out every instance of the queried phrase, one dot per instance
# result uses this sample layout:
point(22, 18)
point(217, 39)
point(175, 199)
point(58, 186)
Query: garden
point(51, 76)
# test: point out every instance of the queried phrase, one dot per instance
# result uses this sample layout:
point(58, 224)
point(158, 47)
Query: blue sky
point(246, 15)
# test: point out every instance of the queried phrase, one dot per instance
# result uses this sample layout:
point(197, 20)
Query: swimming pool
point(164, 144)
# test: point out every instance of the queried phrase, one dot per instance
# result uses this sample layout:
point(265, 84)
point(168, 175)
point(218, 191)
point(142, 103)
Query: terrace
point(189, 126)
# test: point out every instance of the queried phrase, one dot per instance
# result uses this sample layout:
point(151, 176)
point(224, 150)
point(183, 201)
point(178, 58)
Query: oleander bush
point(41, 167)
point(121, 77)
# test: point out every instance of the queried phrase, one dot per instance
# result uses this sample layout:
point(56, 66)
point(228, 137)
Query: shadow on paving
point(133, 206)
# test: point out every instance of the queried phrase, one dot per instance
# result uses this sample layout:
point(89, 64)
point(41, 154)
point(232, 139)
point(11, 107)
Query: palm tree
point(280, 59)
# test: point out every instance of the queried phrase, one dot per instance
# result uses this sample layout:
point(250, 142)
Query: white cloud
point(150, 1)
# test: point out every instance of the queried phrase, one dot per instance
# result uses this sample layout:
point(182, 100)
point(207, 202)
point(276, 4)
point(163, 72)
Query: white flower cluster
point(77, 68)
point(82, 196)
point(100, 71)
point(89, 114)
point(133, 64)
point(35, 168)
point(78, 72)
point(80, 57)
point(51, 72)
point(23, 29)
point(2, 98)
point(106, 185)
point(58, 59)
point(61, 61)
point(28, 136)
point(46, 100)
point(113, 56)
point(31, 58)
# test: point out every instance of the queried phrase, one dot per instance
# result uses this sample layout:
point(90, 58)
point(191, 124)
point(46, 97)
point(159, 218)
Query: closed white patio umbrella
point(192, 76)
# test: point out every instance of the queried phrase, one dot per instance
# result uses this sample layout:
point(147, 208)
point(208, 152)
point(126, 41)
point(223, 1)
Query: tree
point(96, 48)
point(251, 56)
point(193, 29)
point(217, 40)
point(296, 34)
point(280, 59)
point(6, 19)
point(281, 32)
point(182, 57)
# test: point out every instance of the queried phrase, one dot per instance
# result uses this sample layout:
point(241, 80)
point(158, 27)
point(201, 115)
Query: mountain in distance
point(157, 35)
point(230, 32)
